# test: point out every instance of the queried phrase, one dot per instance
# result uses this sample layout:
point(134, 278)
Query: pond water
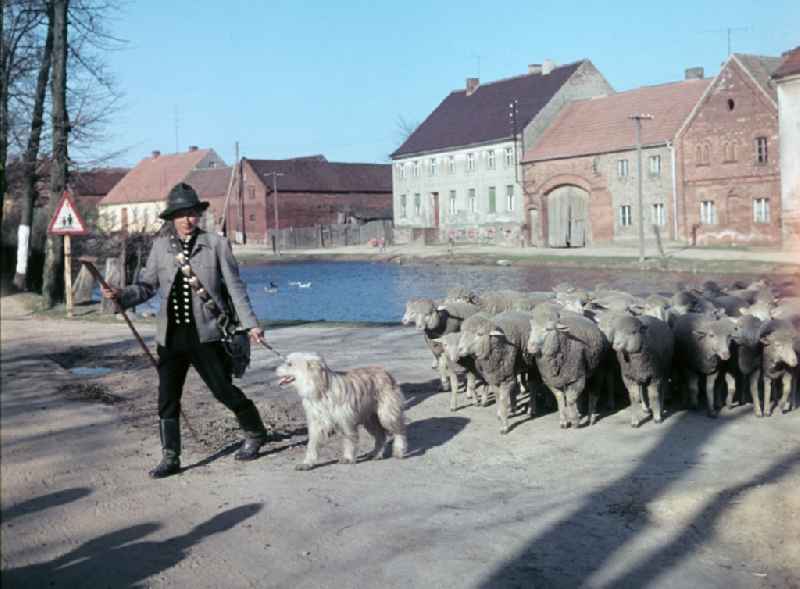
point(377, 291)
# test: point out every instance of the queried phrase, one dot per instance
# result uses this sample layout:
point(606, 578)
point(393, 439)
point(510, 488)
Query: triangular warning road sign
point(67, 220)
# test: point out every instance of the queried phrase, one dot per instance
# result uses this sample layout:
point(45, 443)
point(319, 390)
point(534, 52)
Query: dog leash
point(271, 349)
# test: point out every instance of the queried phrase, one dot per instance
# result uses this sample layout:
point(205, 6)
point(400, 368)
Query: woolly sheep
point(778, 363)
point(745, 363)
point(449, 343)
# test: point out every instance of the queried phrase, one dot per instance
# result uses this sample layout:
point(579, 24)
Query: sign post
point(67, 221)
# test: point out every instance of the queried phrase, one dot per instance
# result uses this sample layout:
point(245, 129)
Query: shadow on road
point(44, 502)
point(426, 434)
point(122, 558)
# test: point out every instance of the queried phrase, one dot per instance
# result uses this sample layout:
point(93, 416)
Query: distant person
point(187, 333)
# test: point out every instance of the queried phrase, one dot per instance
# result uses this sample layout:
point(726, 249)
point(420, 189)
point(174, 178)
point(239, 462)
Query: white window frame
point(491, 160)
point(417, 204)
point(761, 210)
point(452, 201)
point(434, 166)
point(470, 162)
point(625, 216)
point(509, 197)
point(658, 214)
point(472, 200)
point(654, 165)
point(622, 168)
point(415, 169)
point(509, 156)
point(491, 201)
point(708, 212)
point(451, 164)
point(403, 205)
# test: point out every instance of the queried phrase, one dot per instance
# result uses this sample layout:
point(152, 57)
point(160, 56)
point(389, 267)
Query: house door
point(567, 217)
point(435, 205)
point(533, 228)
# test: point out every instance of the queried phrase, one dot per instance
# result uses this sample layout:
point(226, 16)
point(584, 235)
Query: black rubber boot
point(254, 431)
point(171, 449)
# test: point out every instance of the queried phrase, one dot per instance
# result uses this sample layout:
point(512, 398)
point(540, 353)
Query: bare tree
point(52, 278)
point(404, 128)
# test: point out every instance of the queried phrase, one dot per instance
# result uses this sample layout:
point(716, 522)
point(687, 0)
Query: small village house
point(136, 201)
point(729, 166)
point(581, 179)
point(787, 81)
point(457, 175)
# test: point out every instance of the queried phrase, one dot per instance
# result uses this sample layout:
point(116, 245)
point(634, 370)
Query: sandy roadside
point(690, 503)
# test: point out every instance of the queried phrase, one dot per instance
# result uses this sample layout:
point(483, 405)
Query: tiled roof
point(315, 175)
point(483, 116)
point(790, 65)
point(761, 67)
point(153, 177)
point(602, 125)
point(210, 183)
point(98, 182)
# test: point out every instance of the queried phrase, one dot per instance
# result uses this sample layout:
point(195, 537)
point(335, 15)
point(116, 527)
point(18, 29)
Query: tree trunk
point(3, 109)
point(52, 283)
point(29, 163)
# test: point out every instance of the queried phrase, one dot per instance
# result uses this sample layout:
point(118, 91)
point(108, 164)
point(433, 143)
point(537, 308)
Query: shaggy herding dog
point(341, 401)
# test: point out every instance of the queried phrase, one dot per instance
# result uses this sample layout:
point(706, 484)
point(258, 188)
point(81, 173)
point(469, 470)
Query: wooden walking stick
point(97, 276)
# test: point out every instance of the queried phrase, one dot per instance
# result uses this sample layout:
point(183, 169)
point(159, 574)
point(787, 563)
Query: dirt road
point(690, 503)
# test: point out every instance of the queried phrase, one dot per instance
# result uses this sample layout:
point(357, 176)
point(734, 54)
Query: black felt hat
point(180, 198)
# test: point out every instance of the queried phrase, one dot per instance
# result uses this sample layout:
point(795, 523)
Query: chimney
point(547, 66)
point(472, 85)
point(156, 153)
point(694, 73)
point(192, 148)
point(534, 68)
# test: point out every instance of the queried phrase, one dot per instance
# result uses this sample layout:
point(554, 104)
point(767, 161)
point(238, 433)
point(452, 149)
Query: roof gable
point(760, 68)
point(319, 175)
point(153, 177)
point(210, 183)
point(602, 125)
point(482, 116)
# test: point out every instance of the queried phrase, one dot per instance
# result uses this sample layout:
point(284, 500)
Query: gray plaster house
point(457, 176)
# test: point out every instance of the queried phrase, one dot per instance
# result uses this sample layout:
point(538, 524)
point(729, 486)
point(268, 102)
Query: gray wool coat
point(213, 262)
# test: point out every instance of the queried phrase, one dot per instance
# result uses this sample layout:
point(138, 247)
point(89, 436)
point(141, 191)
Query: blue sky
point(294, 78)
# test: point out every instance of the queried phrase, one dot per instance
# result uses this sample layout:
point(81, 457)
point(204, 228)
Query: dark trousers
point(210, 361)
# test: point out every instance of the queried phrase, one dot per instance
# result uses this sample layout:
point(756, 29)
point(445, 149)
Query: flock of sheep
point(700, 343)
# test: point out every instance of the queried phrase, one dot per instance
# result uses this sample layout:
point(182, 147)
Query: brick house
point(310, 191)
point(728, 169)
point(787, 80)
point(457, 175)
point(581, 180)
point(136, 201)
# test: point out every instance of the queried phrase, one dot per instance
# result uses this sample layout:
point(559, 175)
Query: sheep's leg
point(532, 400)
point(315, 436)
point(634, 394)
point(349, 445)
point(693, 386)
point(453, 376)
point(730, 383)
point(655, 393)
point(571, 396)
point(610, 391)
point(471, 396)
point(504, 394)
point(754, 381)
point(444, 376)
point(562, 408)
point(767, 396)
point(711, 387)
point(786, 383)
point(593, 397)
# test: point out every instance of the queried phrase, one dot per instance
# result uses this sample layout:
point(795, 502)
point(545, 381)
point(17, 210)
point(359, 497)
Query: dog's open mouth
point(286, 380)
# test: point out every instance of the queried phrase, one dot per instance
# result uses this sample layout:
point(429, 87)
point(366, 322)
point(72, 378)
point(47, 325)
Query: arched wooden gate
point(567, 216)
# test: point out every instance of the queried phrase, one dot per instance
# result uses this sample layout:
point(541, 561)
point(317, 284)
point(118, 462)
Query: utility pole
point(513, 112)
point(241, 199)
point(275, 246)
point(638, 119)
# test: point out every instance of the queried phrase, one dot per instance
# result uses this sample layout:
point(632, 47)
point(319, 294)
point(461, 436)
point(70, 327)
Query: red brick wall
point(731, 185)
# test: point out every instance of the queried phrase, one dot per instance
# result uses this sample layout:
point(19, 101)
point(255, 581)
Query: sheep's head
point(782, 345)
point(716, 337)
point(449, 343)
point(459, 294)
point(627, 334)
point(746, 329)
point(475, 336)
point(422, 313)
point(543, 337)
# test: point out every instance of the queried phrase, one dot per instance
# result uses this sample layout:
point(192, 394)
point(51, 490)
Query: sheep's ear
point(699, 333)
point(562, 328)
point(496, 333)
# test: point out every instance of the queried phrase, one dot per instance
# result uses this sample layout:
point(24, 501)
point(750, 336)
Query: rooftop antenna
point(728, 31)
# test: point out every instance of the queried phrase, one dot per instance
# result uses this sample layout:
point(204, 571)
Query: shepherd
point(188, 334)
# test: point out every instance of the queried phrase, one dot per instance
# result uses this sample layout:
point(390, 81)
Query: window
point(470, 162)
point(761, 150)
point(472, 201)
point(510, 197)
point(659, 216)
point(595, 166)
point(708, 213)
point(490, 160)
point(252, 217)
point(703, 154)
point(403, 205)
point(434, 166)
point(655, 165)
point(415, 169)
point(451, 164)
point(401, 170)
point(729, 151)
point(622, 168)
point(625, 214)
point(492, 199)
point(761, 210)
point(417, 204)
point(509, 157)
point(251, 192)
point(452, 208)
